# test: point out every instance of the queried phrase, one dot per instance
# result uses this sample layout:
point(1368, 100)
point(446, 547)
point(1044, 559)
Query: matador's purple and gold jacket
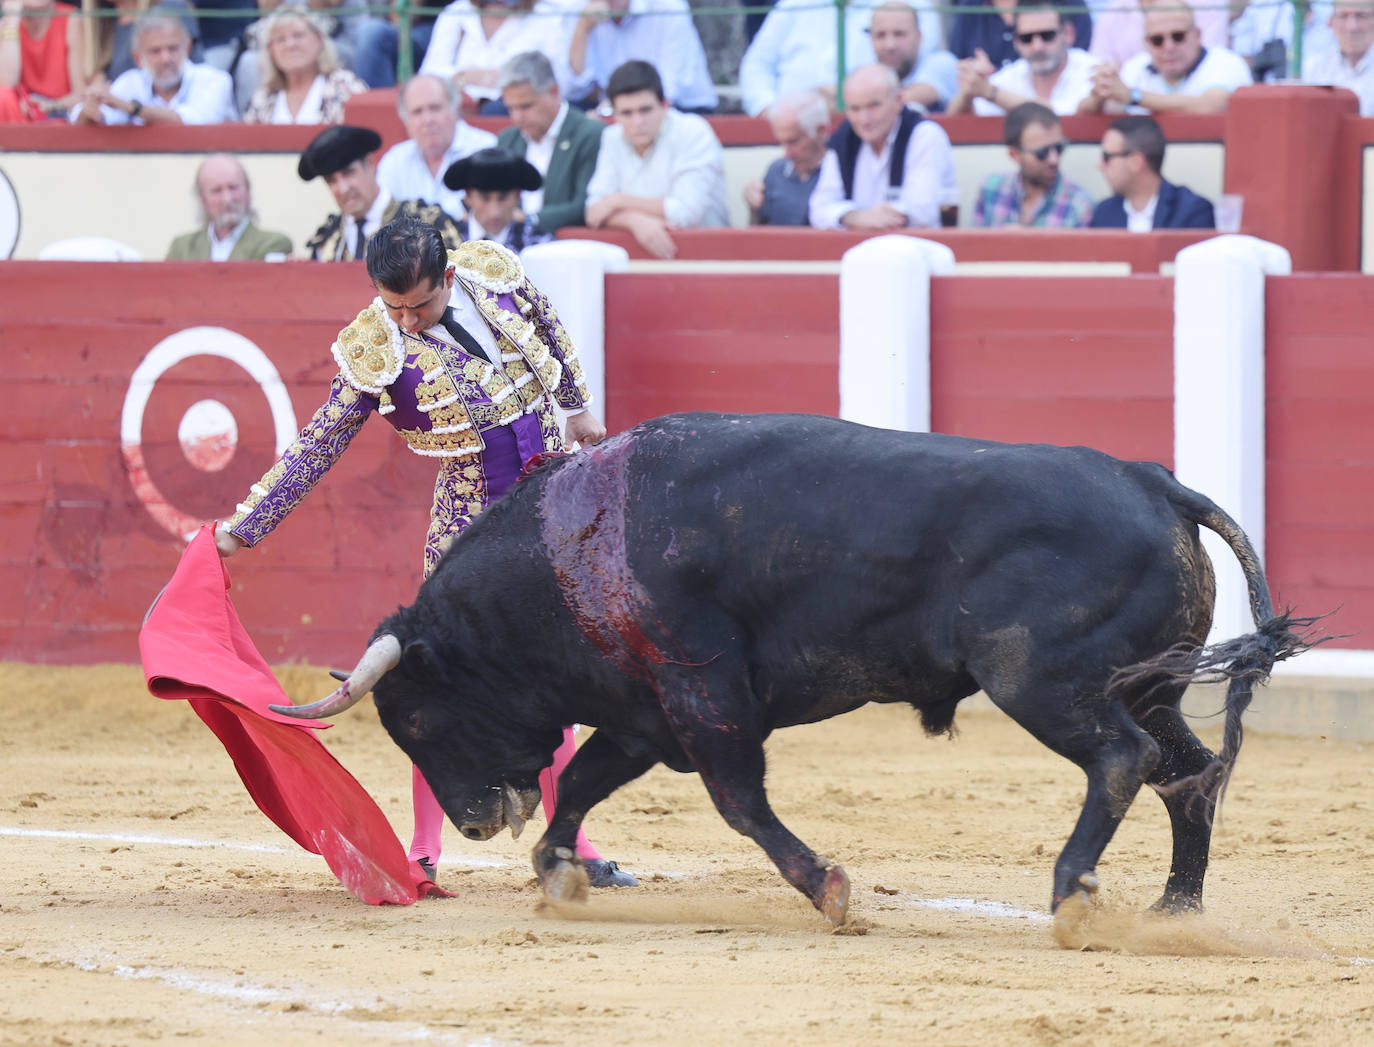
point(438, 397)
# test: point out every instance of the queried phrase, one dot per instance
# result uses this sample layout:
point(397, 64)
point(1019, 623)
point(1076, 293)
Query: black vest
point(846, 144)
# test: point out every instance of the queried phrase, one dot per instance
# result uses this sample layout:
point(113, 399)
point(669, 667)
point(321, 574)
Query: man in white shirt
point(1351, 62)
point(439, 137)
point(1174, 74)
point(658, 169)
point(1051, 70)
point(886, 167)
point(227, 230)
point(343, 157)
point(795, 49)
point(164, 87)
point(609, 33)
point(468, 50)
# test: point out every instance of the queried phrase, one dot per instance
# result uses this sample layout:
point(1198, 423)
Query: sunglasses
point(1177, 36)
point(1043, 153)
point(1109, 157)
point(1046, 36)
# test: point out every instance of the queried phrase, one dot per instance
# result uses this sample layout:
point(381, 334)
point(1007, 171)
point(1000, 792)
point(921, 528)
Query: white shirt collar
point(220, 250)
point(551, 135)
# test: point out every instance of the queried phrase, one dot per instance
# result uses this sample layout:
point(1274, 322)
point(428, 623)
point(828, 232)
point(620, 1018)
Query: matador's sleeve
point(283, 487)
point(572, 393)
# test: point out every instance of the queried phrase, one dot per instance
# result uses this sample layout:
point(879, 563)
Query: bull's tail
point(1244, 663)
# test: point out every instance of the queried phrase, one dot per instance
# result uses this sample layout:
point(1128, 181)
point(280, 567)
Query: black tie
point(461, 336)
point(360, 248)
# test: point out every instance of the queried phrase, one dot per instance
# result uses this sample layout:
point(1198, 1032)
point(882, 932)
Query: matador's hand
point(584, 429)
point(226, 543)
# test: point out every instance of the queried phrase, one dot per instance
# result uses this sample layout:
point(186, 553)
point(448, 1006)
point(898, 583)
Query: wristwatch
point(135, 107)
point(1136, 95)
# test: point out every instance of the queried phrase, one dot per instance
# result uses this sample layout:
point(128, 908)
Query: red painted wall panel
point(1319, 393)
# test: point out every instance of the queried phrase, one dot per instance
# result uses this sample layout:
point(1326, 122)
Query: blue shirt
point(786, 194)
point(661, 33)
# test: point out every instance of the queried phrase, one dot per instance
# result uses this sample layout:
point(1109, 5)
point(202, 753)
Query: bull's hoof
point(565, 880)
point(1177, 905)
point(1072, 912)
point(833, 901)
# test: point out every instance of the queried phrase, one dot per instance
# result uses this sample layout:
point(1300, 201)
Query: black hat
point(493, 168)
point(335, 148)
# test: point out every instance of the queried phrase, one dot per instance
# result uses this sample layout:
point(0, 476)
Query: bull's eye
point(414, 724)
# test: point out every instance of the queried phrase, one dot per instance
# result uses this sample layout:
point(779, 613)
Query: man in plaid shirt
point(1036, 194)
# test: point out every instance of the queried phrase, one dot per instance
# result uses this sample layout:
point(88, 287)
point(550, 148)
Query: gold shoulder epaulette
point(487, 264)
point(369, 350)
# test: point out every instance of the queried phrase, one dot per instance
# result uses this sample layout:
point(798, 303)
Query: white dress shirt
point(1332, 68)
point(1261, 22)
point(206, 96)
point(685, 168)
point(403, 173)
point(1218, 68)
point(310, 108)
point(660, 32)
point(926, 180)
point(459, 42)
point(795, 48)
point(1075, 83)
point(1142, 221)
point(470, 318)
point(372, 221)
point(220, 250)
point(540, 155)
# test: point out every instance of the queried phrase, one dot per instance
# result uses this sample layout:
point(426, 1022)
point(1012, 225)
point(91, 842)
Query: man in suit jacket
point(1132, 155)
point(559, 140)
point(226, 202)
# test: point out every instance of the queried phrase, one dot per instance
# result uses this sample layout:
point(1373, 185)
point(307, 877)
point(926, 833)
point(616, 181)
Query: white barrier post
point(1219, 396)
point(885, 330)
point(572, 273)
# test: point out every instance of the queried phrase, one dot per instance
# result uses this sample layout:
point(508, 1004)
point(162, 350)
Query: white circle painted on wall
point(208, 432)
point(9, 217)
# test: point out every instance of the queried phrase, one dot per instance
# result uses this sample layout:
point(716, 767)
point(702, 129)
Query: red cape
point(195, 648)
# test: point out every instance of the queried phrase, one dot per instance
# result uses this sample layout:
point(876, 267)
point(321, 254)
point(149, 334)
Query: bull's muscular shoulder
point(369, 351)
point(489, 265)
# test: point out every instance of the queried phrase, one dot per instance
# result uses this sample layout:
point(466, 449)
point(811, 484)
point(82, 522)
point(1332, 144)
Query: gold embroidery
point(368, 352)
point(488, 265)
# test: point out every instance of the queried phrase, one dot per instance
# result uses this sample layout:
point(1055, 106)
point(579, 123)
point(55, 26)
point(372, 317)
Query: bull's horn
point(510, 806)
point(380, 658)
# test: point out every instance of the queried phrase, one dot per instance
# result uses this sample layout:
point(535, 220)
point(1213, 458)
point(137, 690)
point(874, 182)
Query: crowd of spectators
point(606, 98)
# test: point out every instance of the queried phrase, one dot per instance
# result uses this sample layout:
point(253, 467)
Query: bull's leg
point(1183, 755)
point(1115, 754)
point(598, 769)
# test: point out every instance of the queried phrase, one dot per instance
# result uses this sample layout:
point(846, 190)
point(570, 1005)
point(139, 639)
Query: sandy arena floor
point(143, 897)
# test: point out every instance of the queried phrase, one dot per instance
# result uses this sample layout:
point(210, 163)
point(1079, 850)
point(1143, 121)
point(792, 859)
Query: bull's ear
point(418, 660)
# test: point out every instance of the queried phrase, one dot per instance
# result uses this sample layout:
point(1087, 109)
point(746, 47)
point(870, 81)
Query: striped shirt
point(1065, 206)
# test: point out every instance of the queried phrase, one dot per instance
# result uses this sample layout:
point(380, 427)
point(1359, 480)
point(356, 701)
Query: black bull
point(693, 584)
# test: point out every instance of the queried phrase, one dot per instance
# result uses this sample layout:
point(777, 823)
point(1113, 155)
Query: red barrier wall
point(1319, 393)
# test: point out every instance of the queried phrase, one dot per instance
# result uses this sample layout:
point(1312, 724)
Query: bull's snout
point(481, 832)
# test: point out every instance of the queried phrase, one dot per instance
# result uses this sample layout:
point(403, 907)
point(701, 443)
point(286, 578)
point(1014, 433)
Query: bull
point(690, 585)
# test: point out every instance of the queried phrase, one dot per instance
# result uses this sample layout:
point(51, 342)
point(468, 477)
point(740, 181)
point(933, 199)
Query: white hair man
point(224, 198)
point(1351, 62)
point(800, 124)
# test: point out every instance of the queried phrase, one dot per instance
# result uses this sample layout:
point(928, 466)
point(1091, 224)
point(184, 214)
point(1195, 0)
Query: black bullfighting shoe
point(427, 867)
point(603, 873)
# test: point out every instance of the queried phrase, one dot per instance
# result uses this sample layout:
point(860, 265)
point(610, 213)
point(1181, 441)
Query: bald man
point(228, 234)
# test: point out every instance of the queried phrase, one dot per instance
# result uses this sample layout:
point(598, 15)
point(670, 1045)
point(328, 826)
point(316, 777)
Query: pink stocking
point(429, 820)
point(548, 785)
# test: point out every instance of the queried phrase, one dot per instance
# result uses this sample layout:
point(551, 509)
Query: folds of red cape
point(195, 648)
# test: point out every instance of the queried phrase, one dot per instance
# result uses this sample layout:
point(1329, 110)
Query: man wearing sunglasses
point(1174, 74)
point(1035, 194)
point(1132, 158)
point(1051, 70)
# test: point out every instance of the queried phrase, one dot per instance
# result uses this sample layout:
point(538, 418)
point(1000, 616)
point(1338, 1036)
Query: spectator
point(885, 167)
point(226, 210)
point(1174, 74)
point(473, 38)
point(414, 169)
point(609, 33)
point(658, 169)
point(376, 40)
point(928, 80)
point(491, 181)
point(558, 139)
point(1351, 62)
point(783, 196)
point(1262, 33)
point(222, 37)
point(110, 37)
point(42, 67)
point(1035, 194)
point(166, 87)
point(342, 156)
point(795, 50)
point(1051, 70)
point(1132, 157)
point(302, 82)
point(990, 26)
point(1119, 27)
point(329, 20)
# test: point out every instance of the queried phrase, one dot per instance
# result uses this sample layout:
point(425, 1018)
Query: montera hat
point(493, 169)
point(335, 148)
